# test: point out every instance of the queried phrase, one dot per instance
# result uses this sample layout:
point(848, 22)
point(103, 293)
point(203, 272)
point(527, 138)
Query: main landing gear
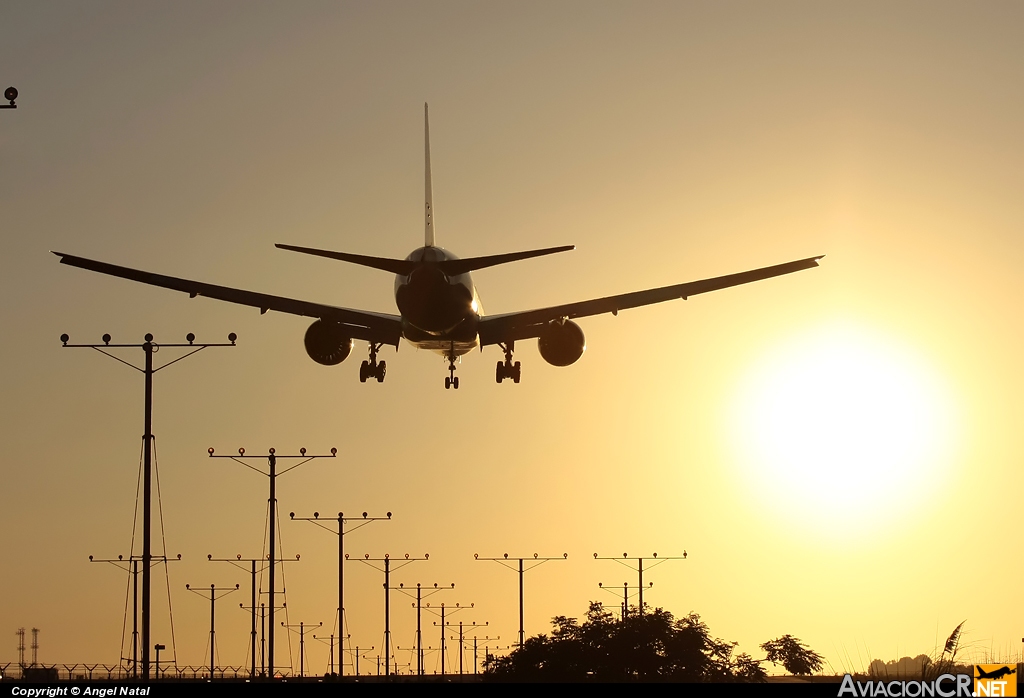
point(373, 368)
point(507, 369)
point(451, 381)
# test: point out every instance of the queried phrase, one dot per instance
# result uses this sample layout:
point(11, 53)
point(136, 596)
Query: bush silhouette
point(652, 646)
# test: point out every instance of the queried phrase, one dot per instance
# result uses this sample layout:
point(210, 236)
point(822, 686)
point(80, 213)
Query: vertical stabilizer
point(428, 237)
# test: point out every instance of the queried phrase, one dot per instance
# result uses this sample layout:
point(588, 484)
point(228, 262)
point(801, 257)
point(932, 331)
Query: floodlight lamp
point(291, 514)
point(366, 556)
point(11, 94)
point(334, 451)
point(210, 450)
point(187, 586)
point(341, 515)
point(148, 337)
point(401, 586)
point(272, 451)
point(213, 586)
point(232, 337)
point(535, 556)
point(506, 556)
point(106, 339)
point(302, 451)
point(209, 557)
point(120, 557)
point(684, 554)
point(346, 556)
point(296, 556)
point(476, 556)
point(238, 556)
point(655, 555)
point(241, 451)
point(190, 338)
point(625, 555)
point(387, 556)
point(426, 556)
point(565, 556)
point(595, 556)
point(364, 514)
point(236, 586)
point(90, 558)
point(389, 514)
point(316, 514)
point(179, 556)
point(599, 584)
point(64, 339)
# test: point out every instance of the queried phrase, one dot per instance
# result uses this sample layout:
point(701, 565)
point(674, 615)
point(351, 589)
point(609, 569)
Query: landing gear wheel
point(371, 368)
point(447, 383)
point(455, 382)
point(364, 372)
point(507, 369)
point(382, 370)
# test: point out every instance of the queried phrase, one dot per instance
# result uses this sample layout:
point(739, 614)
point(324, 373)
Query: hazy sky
point(838, 450)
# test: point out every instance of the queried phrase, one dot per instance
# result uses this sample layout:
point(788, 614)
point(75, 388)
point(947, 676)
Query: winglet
point(428, 236)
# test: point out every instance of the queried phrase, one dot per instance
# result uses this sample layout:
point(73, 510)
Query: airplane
point(438, 304)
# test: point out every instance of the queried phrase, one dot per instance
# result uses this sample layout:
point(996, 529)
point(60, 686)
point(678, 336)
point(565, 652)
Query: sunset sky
point(838, 450)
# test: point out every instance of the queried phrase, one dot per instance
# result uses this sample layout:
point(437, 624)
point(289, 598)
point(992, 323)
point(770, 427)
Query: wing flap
point(374, 327)
point(530, 323)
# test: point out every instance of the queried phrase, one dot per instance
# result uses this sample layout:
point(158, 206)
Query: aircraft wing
point(531, 323)
point(372, 327)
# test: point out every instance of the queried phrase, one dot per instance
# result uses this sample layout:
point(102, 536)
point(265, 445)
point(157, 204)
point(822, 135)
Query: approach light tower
point(640, 569)
point(272, 456)
point(149, 347)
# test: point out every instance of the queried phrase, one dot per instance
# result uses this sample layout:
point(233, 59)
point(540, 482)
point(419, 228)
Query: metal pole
point(263, 639)
point(387, 616)
point(213, 635)
point(332, 651)
point(302, 649)
point(273, 510)
point(442, 639)
point(135, 619)
point(147, 494)
point(522, 634)
point(461, 652)
point(341, 591)
point(419, 632)
point(640, 572)
point(252, 633)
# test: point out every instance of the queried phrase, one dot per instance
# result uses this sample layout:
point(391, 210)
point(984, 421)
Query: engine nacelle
point(327, 344)
point(562, 343)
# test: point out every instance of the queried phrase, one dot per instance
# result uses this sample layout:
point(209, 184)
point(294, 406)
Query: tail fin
point(428, 237)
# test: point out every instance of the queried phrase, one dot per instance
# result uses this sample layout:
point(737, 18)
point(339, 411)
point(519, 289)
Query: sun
point(841, 429)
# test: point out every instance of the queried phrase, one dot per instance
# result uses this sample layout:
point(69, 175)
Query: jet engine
point(326, 343)
point(562, 343)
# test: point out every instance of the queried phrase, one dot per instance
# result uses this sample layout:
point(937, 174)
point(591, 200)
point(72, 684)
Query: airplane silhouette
point(996, 673)
point(439, 306)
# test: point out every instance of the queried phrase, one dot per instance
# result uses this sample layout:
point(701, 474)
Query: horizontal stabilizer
point(450, 267)
point(454, 267)
point(395, 266)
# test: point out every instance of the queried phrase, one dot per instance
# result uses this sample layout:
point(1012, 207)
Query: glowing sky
point(669, 142)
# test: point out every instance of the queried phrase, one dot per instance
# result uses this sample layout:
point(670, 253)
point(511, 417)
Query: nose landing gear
point(451, 381)
point(373, 368)
point(507, 369)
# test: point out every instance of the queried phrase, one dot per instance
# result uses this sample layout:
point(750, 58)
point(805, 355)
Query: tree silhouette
point(792, 654)
point(652, 646)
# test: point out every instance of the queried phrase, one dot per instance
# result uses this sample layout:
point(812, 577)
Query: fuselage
point(439, 312)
